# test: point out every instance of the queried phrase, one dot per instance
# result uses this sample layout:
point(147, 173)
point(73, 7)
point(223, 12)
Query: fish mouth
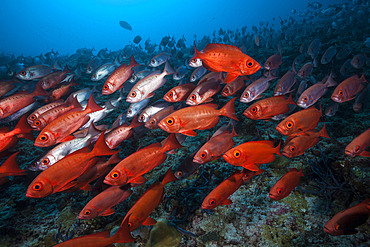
point(301, 104)
point(349, 153)
point(162, 126)
point(107, 182)
point(336, 99)
point(286, 154)
point(328, 231)
point(196, 160)
point(190, 102)
point(281, 130)
point(273, 197)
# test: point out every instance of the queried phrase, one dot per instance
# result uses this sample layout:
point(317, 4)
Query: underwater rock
point(164, 234)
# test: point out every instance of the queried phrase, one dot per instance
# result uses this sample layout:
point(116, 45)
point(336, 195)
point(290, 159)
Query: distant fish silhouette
point(125, 25)
point(137, 39)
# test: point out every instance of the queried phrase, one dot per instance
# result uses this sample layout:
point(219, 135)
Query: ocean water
point(78, 31)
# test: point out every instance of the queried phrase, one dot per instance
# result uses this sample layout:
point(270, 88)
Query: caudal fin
point(39, 91)
point(171, 143)
point(134, 123)
point(23, 126)
point(123, 234)
point(10, 167)
point(168, 177)
point(133, 62)
point(92, 106)
point(277, 149)
point(101, 148)
point(229, 110)
point(324, 133)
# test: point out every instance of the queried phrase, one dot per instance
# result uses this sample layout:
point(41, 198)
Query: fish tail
point(11, 165)
point(277, 149)
point(92, 106)
point(301, 173)
point(168, 70)
point(330, 82)
point(67, 70)
point(123, 234)
point(134, 123)
point(171, 143)
point(229, 110)
point(168, 177)
point(290, 100)
point(323, 132)
point(39, 91)
point(101, 148)
point(233, 132)
point(363, 79)
point(133, 62)
point(23, 126)
point(114, 159)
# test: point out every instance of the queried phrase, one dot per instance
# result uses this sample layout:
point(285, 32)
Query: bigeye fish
point(255, 89)
point(314, 48)
point(93, 65)
point(285, 84)
point(197, 73)
point(140, 75)
point(195, 63)
point(328, 55)
point(203, 92)
point(159, 59)
point(358, 145)
point(148, 112)
point(135, 108)
point(361, 100)
point(358, 61)
point(286, 184)
point(348, 88)
point(306, 70)
point(105, 70)
point(331, 109)
point(36, 71)
point(180, 72)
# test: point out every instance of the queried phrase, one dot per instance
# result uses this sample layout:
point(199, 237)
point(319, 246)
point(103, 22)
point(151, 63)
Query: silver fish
point(159, 59)
point(180, 72)
point(331, 109)
point(148, 112)
point(255, 90)
point(105, 70)
point(135, 108)
point(34, 72)
point(93, 65)
point(195, 63)
point(285, 84)
point(197, 73)
point(328, 55)
point(140, 75)
point(314, 48)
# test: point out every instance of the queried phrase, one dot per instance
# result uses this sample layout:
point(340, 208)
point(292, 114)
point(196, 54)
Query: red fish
point(101, 239)
point(156, 118)
point(9, 138)
point(348, 88)
point(62, 90)
point(179, 93)
point(131, 169)
point(203, 92)
point(297, 145)
point(285, 184)
point(227, 58)
point(65, 125)
point(299, 122)
point(273, 61)
point(269, 107)
point(218, 196)
point(52, 79)
point(31, 118)
point(118, 77)
point(14, 103)
point(139, 213)
point(345, 222)
point(11, 168)
point(201, 117)
point(101, 205)
point(220, 142)
point(62, 175)
point(232, 87)
point(251, 155)
point(359, 144)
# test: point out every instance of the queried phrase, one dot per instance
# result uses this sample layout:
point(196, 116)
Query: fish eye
point(249, 64)
point(37, 123)
point(279, 191)
point(179, 173)
point(45, 161)
point(37, 186)
point(43, 138)
point(152, 61)
point(115, 175)
point(226, 90)
point(289, 124)
point(237, 154)
point(170, 94)
point(87, 212)
point(246, 95)
point(170, 121)
point(254, 109)
point(340, 92)
point(105, 87)
point(203, 155)
point(23, 72)
point(338, 227)
point(305, 98)
point(129, 111)
point(193, 97)
point(133, 94)
point(142, 117)
point(33, 117)
point(152, 122)
point(357, 148)
point(292, 148)
point(212, 201)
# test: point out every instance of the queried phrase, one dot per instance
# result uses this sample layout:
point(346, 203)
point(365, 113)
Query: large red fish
point(269, 107)
point(101, 239)
point(118, 77)
point(139, 213)
point(359, 144)
point(65, 125)
point(251, 155)
point(31, 118)
point(285, 184)
point(201, 117)
point(348, 88)
point(299, 122)
point(131, 169)
point(227, 58)
point(14, 103)
point(9, 138)
point(11, 168)
point(179, 93)
point(218, 196)
point(62, 175)
point(346, 221)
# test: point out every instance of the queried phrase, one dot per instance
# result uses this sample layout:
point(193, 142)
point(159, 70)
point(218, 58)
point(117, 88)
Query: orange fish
point(139, 213)
point(118, 77)
point(156, 118)
point(285, 184)
point(179, 93)
point(62, 175)
point(297, 145)
point(60, 91)
point(218, 196)
point(14, 103)
point(269, 107)
point(11, 168)
point(131, 169)
point(101, 239)
point(31, 118)
point(227, 58)
point(299, 122)
point(348, 88)
point(201, 117)
point(60, 128)
point(359, 144)
point(9, 138)
point(101, 205)
point(251, 155)
point(345, 222)
point(220, 142)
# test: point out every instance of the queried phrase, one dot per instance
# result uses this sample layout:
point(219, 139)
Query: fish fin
point(86, 187)
point(149, 222)
point(323, 132)
point(92, 106)
point(365, 154)
point(171, 143)
point(259, 172)
point(23, 125)
point(67, 186)
point(251, 167)
point(133, 62)
point(138, 181)
point(11, 166)
point(301, 173)
point(150, 95)
point(228, 110)
point(108, 212)
point(259, 96)
point(168, 70)
point(189, 133)
point(208, 100)
point(168, 177)
point(28, 136)
point(123, 234)
point(134, 123)
point(67, 138)
point(211, 47)
point(101, 148)
point(226, 202)
point(39, 91)
point(290, 100)
point(277, 149)
point(114, 159)
point(230, 77)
